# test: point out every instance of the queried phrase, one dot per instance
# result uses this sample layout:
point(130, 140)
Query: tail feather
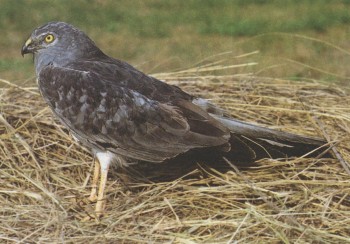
point(250, 142)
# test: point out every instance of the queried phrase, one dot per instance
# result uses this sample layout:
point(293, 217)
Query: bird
point(125, 116)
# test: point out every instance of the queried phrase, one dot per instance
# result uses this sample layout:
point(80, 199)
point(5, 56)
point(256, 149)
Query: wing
point(106, 116)
point(123, 74)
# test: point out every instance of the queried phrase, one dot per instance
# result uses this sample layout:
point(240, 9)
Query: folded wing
point(106, 116)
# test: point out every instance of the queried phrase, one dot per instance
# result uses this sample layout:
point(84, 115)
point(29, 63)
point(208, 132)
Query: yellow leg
point(93, 196)
point(101, 202)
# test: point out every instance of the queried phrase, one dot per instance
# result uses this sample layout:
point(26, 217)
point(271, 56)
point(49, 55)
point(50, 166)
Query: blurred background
point(294, 39)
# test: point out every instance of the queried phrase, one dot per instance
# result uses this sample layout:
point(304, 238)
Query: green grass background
point(159, 35)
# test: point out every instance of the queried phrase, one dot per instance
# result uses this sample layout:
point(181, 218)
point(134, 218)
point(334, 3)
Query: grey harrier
point(124, 115)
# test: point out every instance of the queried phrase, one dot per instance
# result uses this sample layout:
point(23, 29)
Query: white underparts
point(105, 159)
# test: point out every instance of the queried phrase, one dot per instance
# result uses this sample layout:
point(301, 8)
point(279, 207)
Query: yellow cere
point(28, 42)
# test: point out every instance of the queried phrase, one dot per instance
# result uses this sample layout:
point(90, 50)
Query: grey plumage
point(112, 107)
point(124, 116)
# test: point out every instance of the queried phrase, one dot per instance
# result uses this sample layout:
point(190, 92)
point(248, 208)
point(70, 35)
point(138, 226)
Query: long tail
point(250, 142)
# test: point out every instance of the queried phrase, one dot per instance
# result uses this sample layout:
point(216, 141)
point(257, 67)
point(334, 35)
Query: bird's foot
point(93, 195)
point(90, 218)
point(97, 214)
point(100, 207)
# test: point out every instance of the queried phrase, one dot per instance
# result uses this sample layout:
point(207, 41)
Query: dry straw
point(45, 175)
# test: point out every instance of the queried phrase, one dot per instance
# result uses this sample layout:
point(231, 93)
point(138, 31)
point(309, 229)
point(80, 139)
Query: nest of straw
point(45, 175)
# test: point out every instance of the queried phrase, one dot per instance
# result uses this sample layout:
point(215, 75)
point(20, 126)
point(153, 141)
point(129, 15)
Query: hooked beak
point(27, 47)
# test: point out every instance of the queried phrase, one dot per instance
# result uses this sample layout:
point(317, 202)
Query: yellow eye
point(49, 38)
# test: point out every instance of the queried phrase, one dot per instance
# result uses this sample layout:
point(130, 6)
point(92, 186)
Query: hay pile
point(44, 175)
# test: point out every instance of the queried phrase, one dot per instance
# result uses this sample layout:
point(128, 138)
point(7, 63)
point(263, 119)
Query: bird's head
point(58, 43)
